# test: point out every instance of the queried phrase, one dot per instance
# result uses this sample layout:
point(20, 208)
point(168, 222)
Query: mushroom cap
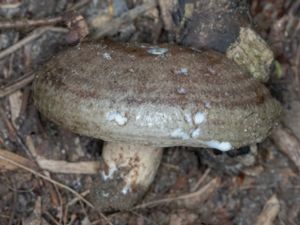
point(160, 96)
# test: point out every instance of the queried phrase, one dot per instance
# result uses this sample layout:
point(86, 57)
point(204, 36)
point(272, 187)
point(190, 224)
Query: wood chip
point(288, 143)
point(269, 212)
point(15, 101)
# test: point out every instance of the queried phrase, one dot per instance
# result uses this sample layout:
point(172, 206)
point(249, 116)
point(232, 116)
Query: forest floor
point(37, 158)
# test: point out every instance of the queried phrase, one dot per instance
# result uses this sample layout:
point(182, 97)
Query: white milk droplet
point(179, 133)
point(110, 174)
point(157, 51)
point(181, 90)
point(107, 56)
point(182, 71)
point(207, 104)
point(196, 133)
point(188, 118)
point(105, 195)
point(119, 118)
point(222, 146)
point(126, 189)
point(199, 118)
point(211, 70)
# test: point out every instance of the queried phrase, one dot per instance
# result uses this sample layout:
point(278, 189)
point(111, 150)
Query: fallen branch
point(288, 143)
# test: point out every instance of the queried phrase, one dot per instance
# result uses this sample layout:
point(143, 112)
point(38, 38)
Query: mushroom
point(140, 98)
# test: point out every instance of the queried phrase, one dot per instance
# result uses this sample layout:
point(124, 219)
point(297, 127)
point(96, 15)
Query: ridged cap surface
point(167, 96)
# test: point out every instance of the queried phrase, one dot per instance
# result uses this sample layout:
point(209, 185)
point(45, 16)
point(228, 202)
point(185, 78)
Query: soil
point(192, 186)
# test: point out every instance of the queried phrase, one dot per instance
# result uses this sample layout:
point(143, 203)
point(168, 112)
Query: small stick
point(55, 183)
point(288, 143)
point(50, 217)
point(24, 105)
point(76, 199)
point(32, 36)
point(16, 84)
point(208, 187)
point(269, 212)
point(116, 23)
point(20, 24)
point(201, 179)
point(14, 201)
point(47, 179)
point(53, 166)
point(4, 166)
point(78, 5)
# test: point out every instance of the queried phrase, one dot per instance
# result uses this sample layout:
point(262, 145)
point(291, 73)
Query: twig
point(32, 36)
point(8, 5)
point(269, 212)
point(12, 134)
point(19, 24)
point(4, 166)
point(36, 216)
point(208, 187)
point(288, 143)
point(171, 166)
point(78, 5)
point(246, 187)
point(293, 8)
point(72, 220)
point(16, 84)
point(145, 218)
point(15, 202)
point(202, 178)
point(53, 166)
point(55, 183)
point(50, 217)
point(47, 179)
point(76, 199)
point(24, 105)
point(115, 24)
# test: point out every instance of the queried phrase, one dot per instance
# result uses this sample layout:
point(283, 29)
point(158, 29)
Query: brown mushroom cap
point(155, 96)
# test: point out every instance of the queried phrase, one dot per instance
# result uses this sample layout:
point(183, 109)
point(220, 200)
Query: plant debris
point(46, 172)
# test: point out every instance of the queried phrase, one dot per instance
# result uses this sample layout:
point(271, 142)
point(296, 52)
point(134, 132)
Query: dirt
point(190, 187)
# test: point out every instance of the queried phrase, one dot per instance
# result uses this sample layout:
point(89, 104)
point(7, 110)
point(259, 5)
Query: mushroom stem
point(126, 175)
